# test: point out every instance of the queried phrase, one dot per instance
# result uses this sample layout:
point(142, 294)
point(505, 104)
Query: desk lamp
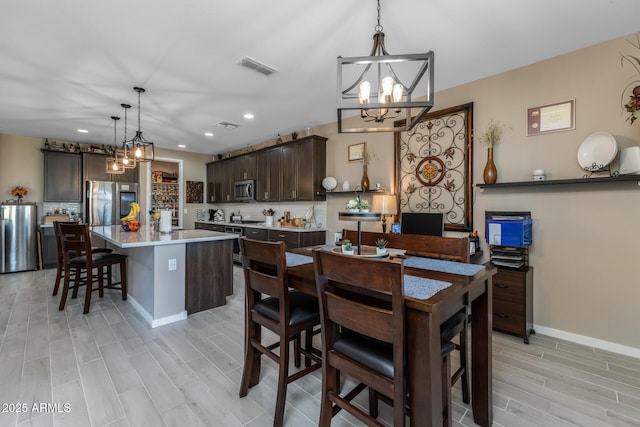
point(386, 205)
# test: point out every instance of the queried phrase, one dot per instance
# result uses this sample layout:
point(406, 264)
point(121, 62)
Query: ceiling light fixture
point(248, 116)
point(208, 134)
point(114, 166)
point(83, 131)
point(182, 146)
point(141, 149)
point(378, 90)
point(127, 161)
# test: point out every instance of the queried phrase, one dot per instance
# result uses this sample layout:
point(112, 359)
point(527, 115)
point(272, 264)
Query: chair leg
point(446, 390)
point(65, 289)
point(89, 291)
point(373, 403)
point(283, 376)
point(101, 281)
point(296, 350)
point(463, 362)
point(59, 274)
point(251, 370)
point(308, 345)
point(123, 278)
point(76, 281)
point(328, 385)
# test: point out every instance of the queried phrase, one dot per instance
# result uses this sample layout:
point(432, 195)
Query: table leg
point(481, 358)
point(423, 357)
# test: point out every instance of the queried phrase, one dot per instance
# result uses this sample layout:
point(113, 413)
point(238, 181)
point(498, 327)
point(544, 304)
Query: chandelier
point(384, 88)
point(114, 165)
point(141, 150)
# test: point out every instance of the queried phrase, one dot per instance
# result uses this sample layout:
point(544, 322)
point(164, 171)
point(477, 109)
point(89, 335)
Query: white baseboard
point(154, 323)
point(589, 341)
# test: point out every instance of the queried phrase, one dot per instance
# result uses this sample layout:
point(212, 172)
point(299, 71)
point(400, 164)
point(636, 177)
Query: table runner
point(422, 288)
point(294, 260)
point(443, 266)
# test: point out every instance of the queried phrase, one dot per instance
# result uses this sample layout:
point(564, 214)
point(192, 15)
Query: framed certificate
point(356, 151)
point(551, 118)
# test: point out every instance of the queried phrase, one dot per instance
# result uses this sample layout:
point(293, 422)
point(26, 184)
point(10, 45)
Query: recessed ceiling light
point(182, 146)
point(83, 131)
point(208, 134)
point(248, 116)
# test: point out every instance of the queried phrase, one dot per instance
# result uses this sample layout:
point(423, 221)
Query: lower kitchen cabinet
point(49, 247)
point(211, 227)
point(513, 302)
point(294, 239)
point(256, 233)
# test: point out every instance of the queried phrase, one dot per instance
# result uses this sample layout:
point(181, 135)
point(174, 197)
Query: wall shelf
point(555, 182)
point(342, 193)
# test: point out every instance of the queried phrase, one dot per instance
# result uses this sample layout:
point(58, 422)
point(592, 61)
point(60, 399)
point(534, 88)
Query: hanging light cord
point(378, 27)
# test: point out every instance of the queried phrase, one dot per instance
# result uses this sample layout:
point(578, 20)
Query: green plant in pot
point(364, 205)
point(347, 247)
point(381, 246)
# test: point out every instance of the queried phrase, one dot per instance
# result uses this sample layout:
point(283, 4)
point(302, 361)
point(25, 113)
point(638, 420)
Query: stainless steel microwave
point(244, 191)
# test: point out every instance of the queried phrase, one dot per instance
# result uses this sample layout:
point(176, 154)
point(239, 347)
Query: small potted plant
point(353, 205)
point(268, 213)
point(381, 246)
point(364, 206)
point(347, 247)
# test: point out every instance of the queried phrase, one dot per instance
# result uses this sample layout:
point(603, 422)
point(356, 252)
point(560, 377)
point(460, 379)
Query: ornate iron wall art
point(434, 166)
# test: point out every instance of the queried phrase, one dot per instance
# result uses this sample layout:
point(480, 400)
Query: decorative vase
point(381, 251)
point(364, 182)
point(490, 174)
point(346, 186)
point(269, 221)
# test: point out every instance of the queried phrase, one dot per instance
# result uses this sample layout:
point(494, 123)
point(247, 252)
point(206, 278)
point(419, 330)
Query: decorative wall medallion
point(433, 166)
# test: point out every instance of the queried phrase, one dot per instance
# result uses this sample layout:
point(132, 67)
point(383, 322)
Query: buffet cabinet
point(513, 302)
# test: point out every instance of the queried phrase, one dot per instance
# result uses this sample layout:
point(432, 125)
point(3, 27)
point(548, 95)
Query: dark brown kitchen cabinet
point(513, 302)
point(214, 191)
point(94, 167)
point(303, 168)
point(295, 239)
point(62, 176)
point(268, 170)
point(209, 226)
point(49, 248)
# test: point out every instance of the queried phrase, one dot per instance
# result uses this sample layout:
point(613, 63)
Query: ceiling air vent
point(256, 65)
point(227, 125)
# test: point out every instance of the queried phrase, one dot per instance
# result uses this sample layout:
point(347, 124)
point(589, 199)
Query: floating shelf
point(342, 193)
point(624, 178)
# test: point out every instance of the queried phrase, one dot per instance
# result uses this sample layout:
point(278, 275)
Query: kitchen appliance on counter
point(107, 202)
point(216, 215)
point(18, 242)
point(235, 217)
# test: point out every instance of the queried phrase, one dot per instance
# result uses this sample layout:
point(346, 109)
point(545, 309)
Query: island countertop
point(145, 237)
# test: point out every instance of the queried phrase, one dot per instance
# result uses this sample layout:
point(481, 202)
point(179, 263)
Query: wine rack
point(166, 196)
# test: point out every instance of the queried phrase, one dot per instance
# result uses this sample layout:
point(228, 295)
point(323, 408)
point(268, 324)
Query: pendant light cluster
point(377, 90)
point(132, 151)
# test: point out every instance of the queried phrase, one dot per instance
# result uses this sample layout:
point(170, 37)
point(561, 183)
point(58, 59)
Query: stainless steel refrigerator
point(107, 201)
point(18, 237)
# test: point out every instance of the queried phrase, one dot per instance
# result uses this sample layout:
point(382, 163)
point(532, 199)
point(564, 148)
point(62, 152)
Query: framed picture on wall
point(551, 118)
point(356, 151)
point(195, 191)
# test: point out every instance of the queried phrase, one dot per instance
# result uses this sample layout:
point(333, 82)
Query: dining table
point(434, 291)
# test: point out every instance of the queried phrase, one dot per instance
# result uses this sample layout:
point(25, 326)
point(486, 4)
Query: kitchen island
point(175, 274)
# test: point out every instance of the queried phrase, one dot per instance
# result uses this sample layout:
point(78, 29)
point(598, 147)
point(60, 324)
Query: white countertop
point(144, 237)
point(263, 226)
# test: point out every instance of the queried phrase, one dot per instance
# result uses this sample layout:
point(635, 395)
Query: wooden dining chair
point(285, 312)
point(449, 248)
point(60, 268)
point(88, 266)
point(363, 335)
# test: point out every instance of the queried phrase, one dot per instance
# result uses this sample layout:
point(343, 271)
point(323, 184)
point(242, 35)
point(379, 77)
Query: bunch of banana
point(133, 212)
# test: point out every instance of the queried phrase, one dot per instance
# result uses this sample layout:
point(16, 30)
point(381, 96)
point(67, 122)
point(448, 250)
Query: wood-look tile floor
point(108, 368)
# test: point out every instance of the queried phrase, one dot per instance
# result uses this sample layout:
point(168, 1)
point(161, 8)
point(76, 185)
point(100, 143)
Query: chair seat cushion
point(303, 308)
point(97, 258)
point(372, 353)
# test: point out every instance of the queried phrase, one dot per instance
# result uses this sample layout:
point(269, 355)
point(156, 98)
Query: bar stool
point(60, 264)
point(75, 239)
point(284, 312)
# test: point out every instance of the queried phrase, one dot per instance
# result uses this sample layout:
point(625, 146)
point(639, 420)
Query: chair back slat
point(364, 319)
point(264, 265)
point(74, 239)
point(368, 273)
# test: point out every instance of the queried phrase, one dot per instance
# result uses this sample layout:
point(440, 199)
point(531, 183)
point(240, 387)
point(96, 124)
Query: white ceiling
point(69, 64)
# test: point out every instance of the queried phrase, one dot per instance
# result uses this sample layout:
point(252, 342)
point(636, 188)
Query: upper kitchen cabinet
point(268, 168)
point(95, 169)
point(303, 169)
point(244, 167)
point(213, 182)
point(62, 176)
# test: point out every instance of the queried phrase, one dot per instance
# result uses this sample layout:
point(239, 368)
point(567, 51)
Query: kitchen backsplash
point(253, 211)
point(74, 210)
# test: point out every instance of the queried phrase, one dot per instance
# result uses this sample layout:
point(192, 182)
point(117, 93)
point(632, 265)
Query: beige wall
point(585, 250)
point(21, 163)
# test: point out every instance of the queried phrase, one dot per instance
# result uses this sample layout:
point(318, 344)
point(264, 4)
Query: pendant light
point(141, 149)
point(379, 94)
point(127, 161)
point(114, 166)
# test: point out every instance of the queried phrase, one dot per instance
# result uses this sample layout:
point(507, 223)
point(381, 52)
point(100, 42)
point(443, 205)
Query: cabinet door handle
point(266, 195)
point(281, 236)
point(501, 286)
point(504, 316)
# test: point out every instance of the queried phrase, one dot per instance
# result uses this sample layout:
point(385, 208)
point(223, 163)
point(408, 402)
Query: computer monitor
point(428, 224)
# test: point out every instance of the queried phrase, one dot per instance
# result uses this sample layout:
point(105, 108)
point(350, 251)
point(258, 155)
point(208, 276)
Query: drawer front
point(255, 233)
point(511, 277)
point(508, 317)
point(508, 292)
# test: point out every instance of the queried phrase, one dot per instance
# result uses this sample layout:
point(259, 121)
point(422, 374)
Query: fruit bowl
point(131, 225)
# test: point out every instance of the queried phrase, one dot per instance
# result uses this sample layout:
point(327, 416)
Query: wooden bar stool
point(285, 312)
point(75, 239)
